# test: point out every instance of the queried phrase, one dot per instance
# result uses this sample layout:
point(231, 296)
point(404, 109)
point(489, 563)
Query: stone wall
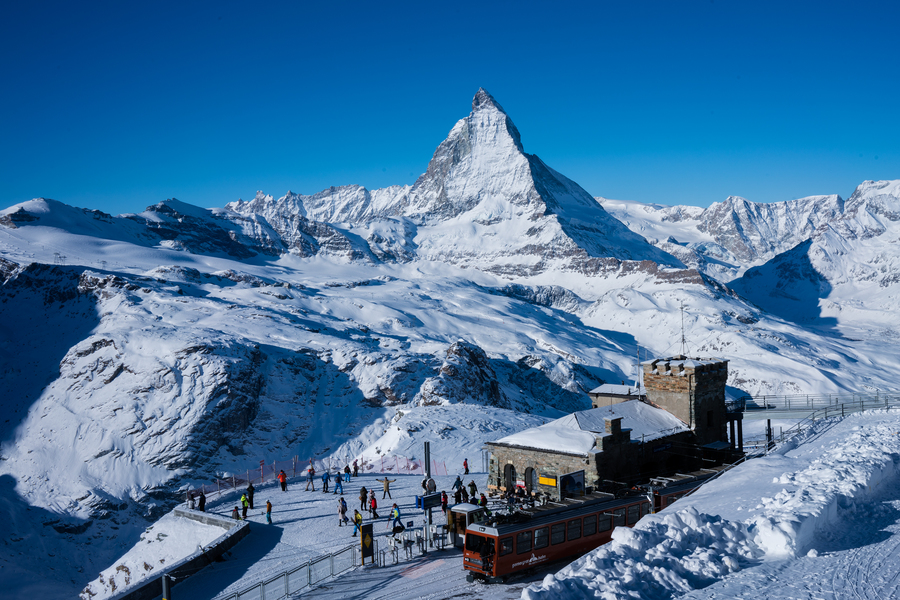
point(693, 393)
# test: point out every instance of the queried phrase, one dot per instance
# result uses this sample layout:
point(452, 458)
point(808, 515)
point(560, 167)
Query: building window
point(541, 537)
point(590, 525)
point(574, 529)
point(505, 546)
point(558, 533)
point(523, 542)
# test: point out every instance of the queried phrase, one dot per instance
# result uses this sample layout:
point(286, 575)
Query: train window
point(574, 529)
point(523, 542)
point(505, 546)
point(590, 525)
point(645, 508)
point(474, 542)
point(541, 537)
point(634, 513)
point(558, 533)
point(604, 524)
point(619, 517)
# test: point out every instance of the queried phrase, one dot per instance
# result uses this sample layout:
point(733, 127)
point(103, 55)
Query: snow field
point(768, 509)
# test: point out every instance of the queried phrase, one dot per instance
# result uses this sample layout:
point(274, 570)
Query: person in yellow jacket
point(357, 521)
point(245, 504)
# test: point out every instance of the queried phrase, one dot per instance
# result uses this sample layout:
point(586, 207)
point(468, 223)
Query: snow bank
point(712, 535)
point(163, 544)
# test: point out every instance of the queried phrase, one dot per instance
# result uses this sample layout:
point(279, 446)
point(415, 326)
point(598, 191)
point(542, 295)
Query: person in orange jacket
point(283, 479)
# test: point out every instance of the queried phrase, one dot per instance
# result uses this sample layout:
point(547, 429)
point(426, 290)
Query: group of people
point(367, 500)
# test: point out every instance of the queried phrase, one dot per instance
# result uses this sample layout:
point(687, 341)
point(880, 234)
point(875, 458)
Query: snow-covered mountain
point(728, 237)
point(145, 352)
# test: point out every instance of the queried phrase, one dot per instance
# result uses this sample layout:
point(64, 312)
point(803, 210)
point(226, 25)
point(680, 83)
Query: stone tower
point(692, 389)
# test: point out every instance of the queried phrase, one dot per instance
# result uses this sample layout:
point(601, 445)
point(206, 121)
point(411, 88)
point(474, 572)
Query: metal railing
point(810, 401)
point(303, 577)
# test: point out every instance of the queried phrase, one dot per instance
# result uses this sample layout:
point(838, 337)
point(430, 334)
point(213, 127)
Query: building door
point(529, 480)
point(509, 477)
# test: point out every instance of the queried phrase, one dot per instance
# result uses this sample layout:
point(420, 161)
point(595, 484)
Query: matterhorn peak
point(483, 99)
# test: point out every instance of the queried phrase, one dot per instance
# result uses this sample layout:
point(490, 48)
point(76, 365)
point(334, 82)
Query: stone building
point(679, 422)
point(624, 442)
point(693, 389)
point(610, 393)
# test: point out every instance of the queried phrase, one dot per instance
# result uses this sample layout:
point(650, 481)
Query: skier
point(283, 479)
point(201, 503)
point(310, 473)
point(387, 486)
point(362, 498)
point(373, 505)
point(347, 473)
point(268, 512)
point(357, 521)
point(444, 502)
point(355, 468)
point(338, 484)
point(325, 479)
point(250, 490)
point(473, 489)
point(457, 484)
point(245, 504)
point(342, 512)
point(235, 514)
point(466, 466)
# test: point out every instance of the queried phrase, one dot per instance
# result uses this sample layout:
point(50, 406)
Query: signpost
point(367, 543)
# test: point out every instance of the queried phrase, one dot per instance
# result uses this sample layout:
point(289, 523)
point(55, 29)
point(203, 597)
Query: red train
point(508, 544)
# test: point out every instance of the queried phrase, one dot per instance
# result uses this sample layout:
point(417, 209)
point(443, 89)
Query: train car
point(666, 490)
point(494, 550)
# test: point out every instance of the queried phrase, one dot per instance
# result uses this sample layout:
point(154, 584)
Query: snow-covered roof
point(619, 390)
point(576, 433)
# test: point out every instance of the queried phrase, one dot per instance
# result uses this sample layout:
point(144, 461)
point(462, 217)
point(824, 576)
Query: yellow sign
point(547, 481)
point(367, 540)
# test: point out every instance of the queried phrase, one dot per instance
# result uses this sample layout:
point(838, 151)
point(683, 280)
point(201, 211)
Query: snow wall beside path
point(766, 509)
point(151, 586)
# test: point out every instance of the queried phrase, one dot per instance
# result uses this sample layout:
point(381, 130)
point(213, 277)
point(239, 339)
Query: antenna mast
point(683, 343)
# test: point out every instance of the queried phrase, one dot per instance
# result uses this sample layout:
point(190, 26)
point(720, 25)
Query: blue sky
point(119, 105)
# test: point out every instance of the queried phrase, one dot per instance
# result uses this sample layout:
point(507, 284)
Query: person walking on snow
point(464, 494)
point(362, 498)
point(473, 489)
point(342, 512)
point(325, 479)
point(347, 473)
point(338, 484)
point(201, 503)
point(310, 473)
point(244, 506)
point(373, 505)
point(268, 512)
point(355, 468)
point(395, 515)
point(283, 479)
point(357, 521)
point(457, 496)
point(457, 484)
point(466, 466)
point(387, 486)
point(444, 502)
point(250, 490)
